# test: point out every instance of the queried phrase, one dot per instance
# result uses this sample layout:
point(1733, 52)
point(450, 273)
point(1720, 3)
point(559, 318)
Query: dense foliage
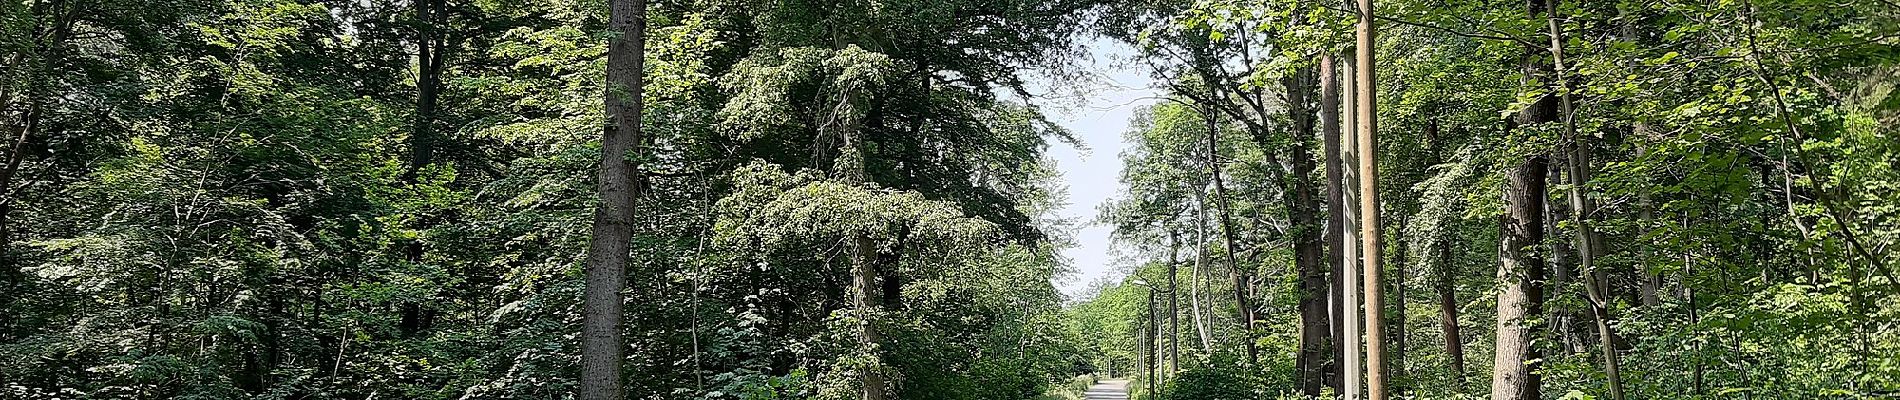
point(275, 199)
point(1736, 161)
point(391, 199)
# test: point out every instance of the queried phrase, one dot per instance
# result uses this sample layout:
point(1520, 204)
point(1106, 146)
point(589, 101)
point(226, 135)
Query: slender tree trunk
point(1397, 331)
point(1369, 227)
point(1200, 262)
point(1242, 276)
point(1448, 312)
point(1563, 319)
point(1652, 280)
point(1595, 282)
point(620, 186)
point(1688, 272)
point(1174, 305)
point(1153, 347)
point(1335, 208)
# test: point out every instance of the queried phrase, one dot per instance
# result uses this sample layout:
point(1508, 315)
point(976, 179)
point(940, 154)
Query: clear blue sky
point(1097, 112)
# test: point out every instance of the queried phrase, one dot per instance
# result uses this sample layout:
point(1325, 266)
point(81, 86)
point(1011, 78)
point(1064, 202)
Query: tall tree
point(1335, 207)
point(621, 184)
point(1520, 265)
point(1583, 209)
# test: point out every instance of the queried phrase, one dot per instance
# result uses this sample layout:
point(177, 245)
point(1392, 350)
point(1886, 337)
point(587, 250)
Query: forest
point(856, 199)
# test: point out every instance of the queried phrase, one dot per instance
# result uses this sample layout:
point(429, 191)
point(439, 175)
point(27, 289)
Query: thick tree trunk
point(1369, 224)
point(430, 57)
point(863, 284)
point(1520, 267)
point(620, 185)
point(1520, 273)
point(1303, 210)
point(1335, 208)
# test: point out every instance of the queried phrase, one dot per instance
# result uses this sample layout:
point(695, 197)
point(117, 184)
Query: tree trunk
point(1303, 210)
point(1194, 286)
point(429, 65)
point(1521, 266)
point(1563, 319)
point(1335, 208)
point(1242, 275)
point(1520, 273)
point(1369, 227)
point(1174, 305)
point(1396, 333)
point(620, 185)
point(1595, 283)
point(1448, 312)
point(1446, 273)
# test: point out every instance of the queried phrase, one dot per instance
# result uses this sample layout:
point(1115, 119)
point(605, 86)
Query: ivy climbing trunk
point(1446, 273)
point(1303, 208)
point(620, 185)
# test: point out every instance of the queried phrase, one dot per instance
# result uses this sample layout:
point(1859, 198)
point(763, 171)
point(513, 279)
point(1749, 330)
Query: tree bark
point(1563, 319)
point(1309, 255)
point(1520, 266)
point(1335, 208)
point(1520, 273)
point(430, 46)
point(620, 185)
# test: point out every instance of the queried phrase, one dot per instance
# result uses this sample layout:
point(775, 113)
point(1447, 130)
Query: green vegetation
point(808, 199)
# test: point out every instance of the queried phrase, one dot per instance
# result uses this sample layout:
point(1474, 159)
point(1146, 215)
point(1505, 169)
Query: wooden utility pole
point(620, 184)
point(1369, 204)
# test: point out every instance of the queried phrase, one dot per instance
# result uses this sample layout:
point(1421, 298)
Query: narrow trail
point(1108, 390)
